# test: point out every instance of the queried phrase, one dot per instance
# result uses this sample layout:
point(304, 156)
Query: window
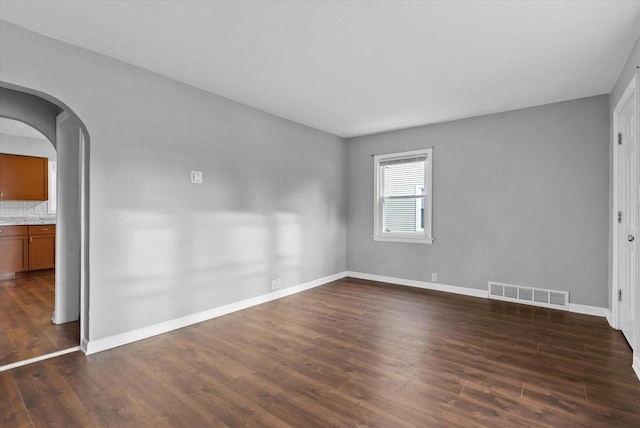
point(403, 199)
point(419, 211)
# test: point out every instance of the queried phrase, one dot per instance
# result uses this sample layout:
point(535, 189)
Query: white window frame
point(420, 237)
point(419, 209)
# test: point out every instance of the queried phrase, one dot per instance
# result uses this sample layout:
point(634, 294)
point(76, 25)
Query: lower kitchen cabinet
point(24, 248)
point(42, 247)
point(14, 249)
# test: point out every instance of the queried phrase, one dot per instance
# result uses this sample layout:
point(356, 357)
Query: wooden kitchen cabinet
point(42, 247)
point(23, 178)
point(14, 249)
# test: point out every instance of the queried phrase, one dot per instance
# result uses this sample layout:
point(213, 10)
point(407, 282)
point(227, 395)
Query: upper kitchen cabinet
point(23, 178)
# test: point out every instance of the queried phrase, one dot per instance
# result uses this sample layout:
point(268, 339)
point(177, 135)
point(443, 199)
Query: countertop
point(19, 221)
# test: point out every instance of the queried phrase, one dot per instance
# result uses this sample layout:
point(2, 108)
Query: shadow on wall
point(184, 263)
point(174, 264)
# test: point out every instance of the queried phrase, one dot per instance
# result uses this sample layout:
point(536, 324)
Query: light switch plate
point(196, 177)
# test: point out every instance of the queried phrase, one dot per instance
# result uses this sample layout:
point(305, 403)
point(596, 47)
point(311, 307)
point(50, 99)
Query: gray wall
point(626, 75)
point(273, 202)
point(18, 145)
point(519, 197)
point(30, 109)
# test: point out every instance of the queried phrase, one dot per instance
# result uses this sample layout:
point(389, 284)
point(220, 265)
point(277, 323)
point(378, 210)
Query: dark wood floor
point(350, 353)
point(26, 330)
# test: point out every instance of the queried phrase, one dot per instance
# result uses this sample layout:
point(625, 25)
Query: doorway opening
point(44, 309)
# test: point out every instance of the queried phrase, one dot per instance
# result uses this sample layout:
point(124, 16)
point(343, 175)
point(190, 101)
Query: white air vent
point(529, 295)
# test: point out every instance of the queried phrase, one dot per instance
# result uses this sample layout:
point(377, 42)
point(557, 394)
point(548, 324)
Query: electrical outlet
point(434, 277)
point(276, 284)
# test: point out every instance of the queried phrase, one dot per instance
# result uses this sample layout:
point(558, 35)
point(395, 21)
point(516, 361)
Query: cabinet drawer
point(13, 230)
point(42, 229)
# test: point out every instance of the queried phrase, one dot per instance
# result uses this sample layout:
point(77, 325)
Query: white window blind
point(403, 184)
point(403, 179)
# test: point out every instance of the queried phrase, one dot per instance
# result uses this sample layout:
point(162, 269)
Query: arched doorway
point(67, 133)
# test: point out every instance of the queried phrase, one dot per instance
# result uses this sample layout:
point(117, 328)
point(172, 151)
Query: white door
point(625, 144)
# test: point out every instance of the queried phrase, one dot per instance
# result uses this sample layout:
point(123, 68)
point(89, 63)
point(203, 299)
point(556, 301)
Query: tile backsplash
point(24, 209)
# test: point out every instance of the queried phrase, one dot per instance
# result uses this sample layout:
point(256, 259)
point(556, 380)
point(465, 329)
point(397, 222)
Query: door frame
point(70, 223)
point(630, 91)
point(28, 105)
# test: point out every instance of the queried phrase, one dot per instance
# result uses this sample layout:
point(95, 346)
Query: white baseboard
point(573, 307)
point(636, 365)
point(39, 358)
point(421, 284)
point(590, 310)
point(610, 320)
point(84, 344)
point(93, 346)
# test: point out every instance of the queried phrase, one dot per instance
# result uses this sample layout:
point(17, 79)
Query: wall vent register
point(555, 299)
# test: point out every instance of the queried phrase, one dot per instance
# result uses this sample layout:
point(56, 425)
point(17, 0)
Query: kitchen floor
point(26, 307)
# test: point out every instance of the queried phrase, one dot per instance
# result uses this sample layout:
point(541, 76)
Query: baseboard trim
point(610, 320)
point(84, 344)
point(636, 365)
point(39, 358)
point(473, 292)
point(590, 310)
point(421, 284)
point(99, 345)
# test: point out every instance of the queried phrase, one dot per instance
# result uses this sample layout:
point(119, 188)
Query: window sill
point(402, 239)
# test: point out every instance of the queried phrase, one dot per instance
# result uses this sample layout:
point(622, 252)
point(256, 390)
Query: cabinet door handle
point(44, 230)
point(30, 240)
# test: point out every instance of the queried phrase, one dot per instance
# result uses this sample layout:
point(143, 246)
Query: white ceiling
point(359, 67)
point(15, 127)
